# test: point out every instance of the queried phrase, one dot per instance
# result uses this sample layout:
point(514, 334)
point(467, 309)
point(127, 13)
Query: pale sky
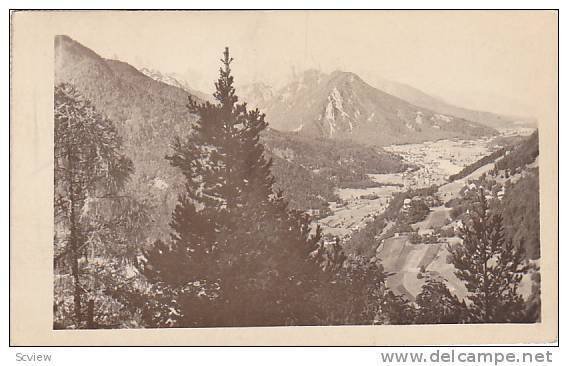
point(491, 60)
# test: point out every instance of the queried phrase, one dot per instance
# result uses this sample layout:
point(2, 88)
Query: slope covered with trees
point(94, 222)
point(230, 230)
point(309, 170)
point(238, 256)
point(490, 266)
point(520, 210)
point(174, 212)
point(148, 114)
point(523, 154)
point(513, 184)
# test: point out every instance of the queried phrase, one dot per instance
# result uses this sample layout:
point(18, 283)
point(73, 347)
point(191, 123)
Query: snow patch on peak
point(169, 79)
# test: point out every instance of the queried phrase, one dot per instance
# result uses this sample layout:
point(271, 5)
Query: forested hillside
point(172, 212)
point(419, 227)
point(237, 255)
point(521, 155)
point(149, 114)
point(308, 170)
point(146, 113)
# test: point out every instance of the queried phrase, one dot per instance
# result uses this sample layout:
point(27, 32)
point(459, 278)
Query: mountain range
point(341, 105)
point(326, 131)
point(273, 102)
point(176, 80)
point(149, 109)
point(437, 104)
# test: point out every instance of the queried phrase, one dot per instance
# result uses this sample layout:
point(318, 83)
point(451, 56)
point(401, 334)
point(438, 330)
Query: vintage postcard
point(284, 177)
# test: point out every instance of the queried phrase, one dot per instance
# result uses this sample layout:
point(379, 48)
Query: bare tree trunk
point(75, 271)
point(73, 243)
point(91, 314)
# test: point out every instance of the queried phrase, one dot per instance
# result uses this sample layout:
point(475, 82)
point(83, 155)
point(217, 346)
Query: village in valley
point(410, 255)
point(433, 161)
point(331, 199)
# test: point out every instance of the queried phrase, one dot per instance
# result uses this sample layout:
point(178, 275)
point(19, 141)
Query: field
point(435, 161)
point(409, 264)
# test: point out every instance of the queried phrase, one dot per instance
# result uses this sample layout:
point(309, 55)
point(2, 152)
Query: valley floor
point(435, 160)
point(403, 259)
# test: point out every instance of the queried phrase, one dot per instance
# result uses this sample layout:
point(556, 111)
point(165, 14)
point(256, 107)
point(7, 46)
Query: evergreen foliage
point(90, 171)
point(523, 154)
point(520, 209)
point(437, 305)
point(229, 229)
point(490, 266)
point(238, 253)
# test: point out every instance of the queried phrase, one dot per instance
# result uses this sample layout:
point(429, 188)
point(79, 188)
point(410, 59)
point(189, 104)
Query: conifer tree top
point(225, 92)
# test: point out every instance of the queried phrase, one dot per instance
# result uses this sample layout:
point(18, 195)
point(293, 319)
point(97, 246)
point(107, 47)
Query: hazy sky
point(481, 59)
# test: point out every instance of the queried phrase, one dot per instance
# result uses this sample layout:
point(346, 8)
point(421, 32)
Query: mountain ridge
point(438, 104)
point(342, 105)
point(176, 80)
point(149, 113)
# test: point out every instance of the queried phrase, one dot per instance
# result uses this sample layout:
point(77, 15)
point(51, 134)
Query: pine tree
point(88, 164)
point(353, 291)
point(490, 266)
point(437, 305)
point(231, 233)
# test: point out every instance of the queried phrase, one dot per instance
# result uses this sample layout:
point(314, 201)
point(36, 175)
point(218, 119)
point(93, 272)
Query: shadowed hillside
point(149, 113)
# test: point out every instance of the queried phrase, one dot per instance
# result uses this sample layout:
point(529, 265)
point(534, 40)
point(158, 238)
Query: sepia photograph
point(254, 169)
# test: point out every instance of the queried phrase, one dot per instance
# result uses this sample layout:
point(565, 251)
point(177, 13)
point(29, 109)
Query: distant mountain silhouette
point(422, 99)
point(341, 105)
